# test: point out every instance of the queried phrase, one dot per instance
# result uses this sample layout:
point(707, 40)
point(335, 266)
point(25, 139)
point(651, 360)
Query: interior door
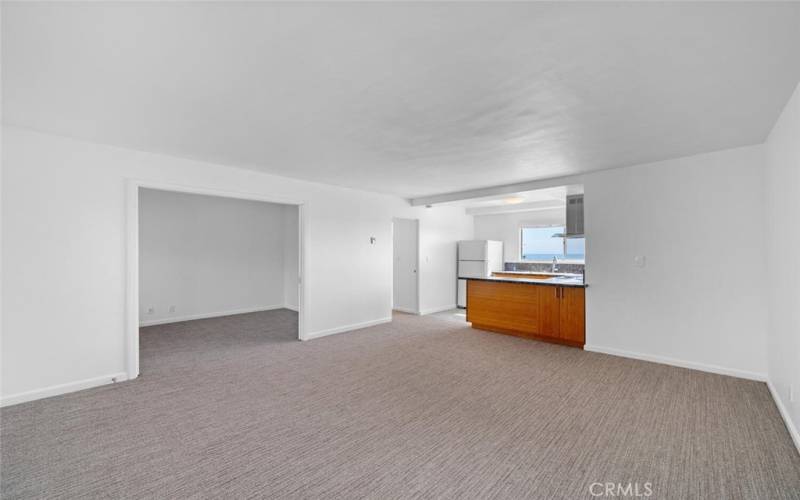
point(406, 250)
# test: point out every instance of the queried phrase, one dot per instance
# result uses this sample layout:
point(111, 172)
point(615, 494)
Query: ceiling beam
point(519, 207)
point(493, 191)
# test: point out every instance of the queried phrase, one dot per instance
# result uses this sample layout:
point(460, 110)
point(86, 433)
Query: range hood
point(574, 216)
point(574, 228)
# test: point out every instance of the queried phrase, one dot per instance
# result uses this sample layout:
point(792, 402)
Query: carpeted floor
point(423, 407)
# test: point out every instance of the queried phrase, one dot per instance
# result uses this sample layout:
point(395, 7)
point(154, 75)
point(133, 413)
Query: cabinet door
point(549, 311)
point(506, 307)
point(573, 316)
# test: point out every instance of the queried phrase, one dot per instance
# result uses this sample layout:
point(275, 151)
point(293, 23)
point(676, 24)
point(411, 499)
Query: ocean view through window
point(544, 243)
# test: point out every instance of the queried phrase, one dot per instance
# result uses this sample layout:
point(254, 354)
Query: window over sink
point(542, 243)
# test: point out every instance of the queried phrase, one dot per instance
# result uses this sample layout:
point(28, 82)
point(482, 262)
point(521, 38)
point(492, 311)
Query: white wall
point(699, 300)
point(505, 227)
point(783, 242)
point(64, 254)
point(440, 230)
point(291, 267)
point(208, 256)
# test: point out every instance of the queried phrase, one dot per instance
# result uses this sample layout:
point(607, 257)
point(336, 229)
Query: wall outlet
point(172, 309)
point(639, 261)
point(151, 310)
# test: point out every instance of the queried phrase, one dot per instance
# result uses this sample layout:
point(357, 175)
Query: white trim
point(433, 310)
point(291, 308)
point(132, 254)
point(418, 274)
point(56, 390)
point(301, 267)
point(346, 328)
point(191, 317)
point(406, 310)
point(787, 418)
point(132, 285)
point(721, 370)
point(239, 195)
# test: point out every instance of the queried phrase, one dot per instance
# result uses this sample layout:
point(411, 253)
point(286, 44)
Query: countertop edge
point(529, 282)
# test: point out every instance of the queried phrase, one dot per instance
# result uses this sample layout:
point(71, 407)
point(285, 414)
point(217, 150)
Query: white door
point(406, 250)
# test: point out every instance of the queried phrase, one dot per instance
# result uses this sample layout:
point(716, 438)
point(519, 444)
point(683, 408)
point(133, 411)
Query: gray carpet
point(423, 407)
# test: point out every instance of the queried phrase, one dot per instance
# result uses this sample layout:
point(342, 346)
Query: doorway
point(213, 256)
point(405, 268)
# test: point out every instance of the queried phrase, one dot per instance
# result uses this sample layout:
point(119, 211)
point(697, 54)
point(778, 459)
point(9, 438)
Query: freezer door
point(472, 269)
point(462, 294)
point(472, 250)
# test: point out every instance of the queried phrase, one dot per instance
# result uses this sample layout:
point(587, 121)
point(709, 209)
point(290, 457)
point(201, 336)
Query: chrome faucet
point(554, 265)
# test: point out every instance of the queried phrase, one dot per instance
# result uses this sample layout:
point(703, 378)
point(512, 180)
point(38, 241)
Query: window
point(544, 243)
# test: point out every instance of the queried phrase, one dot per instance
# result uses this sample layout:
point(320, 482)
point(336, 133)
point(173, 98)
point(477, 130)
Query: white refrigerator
point(477, 259)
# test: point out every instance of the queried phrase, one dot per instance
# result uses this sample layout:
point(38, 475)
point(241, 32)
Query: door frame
point(132, 256)
point(416, 309)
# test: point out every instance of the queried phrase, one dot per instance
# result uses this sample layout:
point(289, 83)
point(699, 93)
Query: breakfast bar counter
point(551, 309)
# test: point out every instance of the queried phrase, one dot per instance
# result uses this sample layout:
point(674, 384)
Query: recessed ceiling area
point(553, 198)
point(411, 99)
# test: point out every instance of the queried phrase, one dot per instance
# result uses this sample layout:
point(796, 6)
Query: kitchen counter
point(549, 308)
point(539, 273)
point(556, 280)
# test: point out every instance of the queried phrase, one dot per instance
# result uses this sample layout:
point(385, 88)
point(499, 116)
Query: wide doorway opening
point(213, 275)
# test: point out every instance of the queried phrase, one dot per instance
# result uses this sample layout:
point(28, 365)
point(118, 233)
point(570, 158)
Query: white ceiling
point(521, 201)
point(549, 194)
point(412, 99)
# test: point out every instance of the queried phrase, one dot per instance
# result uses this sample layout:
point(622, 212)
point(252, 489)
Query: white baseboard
point(434, 310)
point(55, 390)
point(787, 418)
point(190, 317)
point(406, 310)
point(346, 328)
point(721, 370)
point(291, 308)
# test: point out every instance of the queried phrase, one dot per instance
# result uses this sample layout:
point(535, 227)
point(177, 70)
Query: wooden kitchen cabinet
point(573, 315)
point(543, 312)
point(507, 307)
point(549, 311)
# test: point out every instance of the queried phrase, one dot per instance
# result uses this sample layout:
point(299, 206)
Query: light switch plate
point(639, 261)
